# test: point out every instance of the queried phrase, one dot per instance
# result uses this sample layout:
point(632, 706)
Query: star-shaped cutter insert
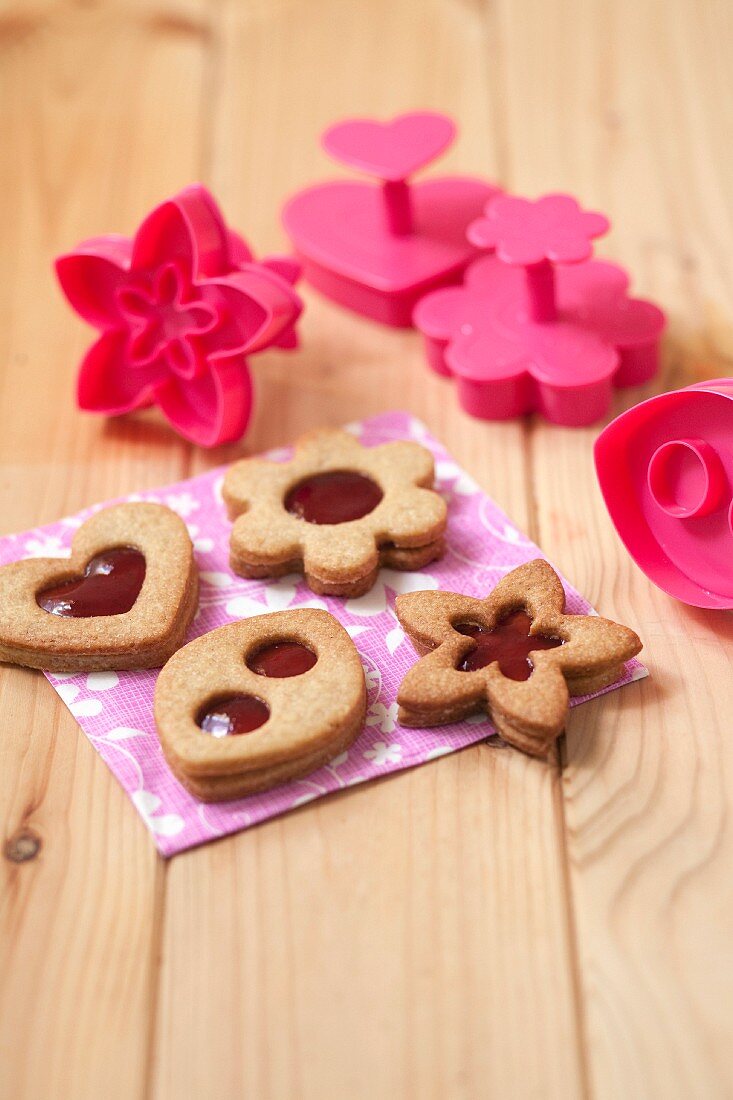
point(529, 714)
point(403, 529)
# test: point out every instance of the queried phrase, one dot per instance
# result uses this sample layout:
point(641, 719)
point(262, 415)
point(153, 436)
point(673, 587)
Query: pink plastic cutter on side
point(378, 249)
point(538, 326)
point(666, 472)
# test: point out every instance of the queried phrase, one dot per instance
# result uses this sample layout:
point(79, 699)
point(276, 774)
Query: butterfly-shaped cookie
point(514, 654)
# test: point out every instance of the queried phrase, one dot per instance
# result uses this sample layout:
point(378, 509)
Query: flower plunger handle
point(392, 152)
point(536, 236)
point(553, 338)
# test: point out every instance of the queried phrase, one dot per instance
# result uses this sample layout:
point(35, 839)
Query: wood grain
point(87, 146)
point(648, 780)
point(387, 945)
point(486, 925)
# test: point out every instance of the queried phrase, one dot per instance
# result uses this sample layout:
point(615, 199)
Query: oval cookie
point(292, 721)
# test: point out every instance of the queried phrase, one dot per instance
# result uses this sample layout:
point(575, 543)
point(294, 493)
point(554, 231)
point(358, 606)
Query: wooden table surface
point(485, 926)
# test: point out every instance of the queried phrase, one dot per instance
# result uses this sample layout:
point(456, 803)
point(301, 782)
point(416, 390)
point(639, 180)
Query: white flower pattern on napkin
point(163, 824)
point(384, 718)
point(381, 753)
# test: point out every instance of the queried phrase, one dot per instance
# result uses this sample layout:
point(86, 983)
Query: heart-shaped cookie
point(390, 150)
point(259, 702)
point(124, 599)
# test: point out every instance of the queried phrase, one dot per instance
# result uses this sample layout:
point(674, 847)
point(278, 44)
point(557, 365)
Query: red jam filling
point(335, 497)
point(509, 643)
point(237, 714)
point(282, 659)
point(110, 585)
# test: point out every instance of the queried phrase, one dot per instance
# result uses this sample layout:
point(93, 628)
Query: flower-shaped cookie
point(179, 308)
point(336, 512)
point(515, 654)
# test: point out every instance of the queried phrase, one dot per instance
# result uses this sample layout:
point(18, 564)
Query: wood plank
point(101, 116)
point(410, 938)
point(624, 106)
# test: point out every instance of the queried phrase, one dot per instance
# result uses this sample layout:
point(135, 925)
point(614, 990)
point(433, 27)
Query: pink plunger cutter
point(666, 472)
point(539, 326)
point(179, 308)
point(379, 249)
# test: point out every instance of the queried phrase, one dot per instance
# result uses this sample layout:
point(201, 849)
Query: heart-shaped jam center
point(234, 714)
point(110, 585)
point(336, 497)
point(509, 643)
point(282, 659)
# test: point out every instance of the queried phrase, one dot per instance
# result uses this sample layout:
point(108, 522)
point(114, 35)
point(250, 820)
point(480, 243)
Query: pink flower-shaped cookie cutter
point(179, 308)
point(523, 334)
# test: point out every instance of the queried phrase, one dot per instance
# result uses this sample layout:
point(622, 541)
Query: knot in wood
point(22, 847)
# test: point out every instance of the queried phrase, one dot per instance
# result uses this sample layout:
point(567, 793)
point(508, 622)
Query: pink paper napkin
point(115, 708)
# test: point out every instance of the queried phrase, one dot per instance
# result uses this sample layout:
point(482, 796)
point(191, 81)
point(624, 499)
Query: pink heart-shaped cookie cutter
point(377, 249)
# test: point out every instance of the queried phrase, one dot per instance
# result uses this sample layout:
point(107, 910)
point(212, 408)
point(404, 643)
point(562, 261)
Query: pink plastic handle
point(391, 151)
point(536, 236)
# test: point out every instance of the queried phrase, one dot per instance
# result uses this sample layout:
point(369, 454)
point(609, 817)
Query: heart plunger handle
point(391, 152)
